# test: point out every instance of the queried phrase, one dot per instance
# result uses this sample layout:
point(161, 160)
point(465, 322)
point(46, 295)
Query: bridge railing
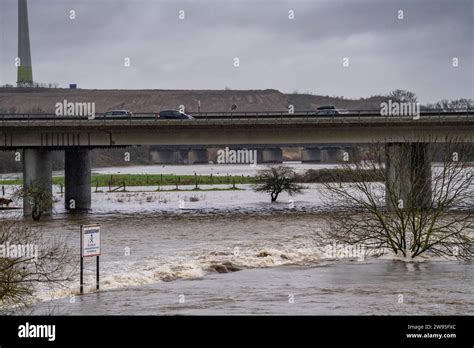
point(309, 115)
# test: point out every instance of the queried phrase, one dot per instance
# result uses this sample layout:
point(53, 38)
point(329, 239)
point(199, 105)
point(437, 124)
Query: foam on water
point(191, 265)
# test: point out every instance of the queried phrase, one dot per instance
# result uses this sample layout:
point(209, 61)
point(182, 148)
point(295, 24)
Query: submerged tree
point(38, 197)
point(416, 210)
point(277, 179)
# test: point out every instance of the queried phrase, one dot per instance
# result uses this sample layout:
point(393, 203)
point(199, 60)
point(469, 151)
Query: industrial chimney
point(25, 71)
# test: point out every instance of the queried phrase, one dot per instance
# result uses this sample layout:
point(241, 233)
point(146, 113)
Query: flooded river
point(233, 252)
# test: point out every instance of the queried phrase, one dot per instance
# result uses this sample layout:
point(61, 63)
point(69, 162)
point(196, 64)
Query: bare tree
point(455, 104)
point(27, 261)
point(277, 179)
point(403, 96)
point(415, 211)
point(38, 197)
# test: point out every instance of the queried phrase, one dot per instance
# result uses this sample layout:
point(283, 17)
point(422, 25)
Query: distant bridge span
point(49, 131)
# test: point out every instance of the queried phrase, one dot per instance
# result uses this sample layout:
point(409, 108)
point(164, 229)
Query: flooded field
point(233, 252)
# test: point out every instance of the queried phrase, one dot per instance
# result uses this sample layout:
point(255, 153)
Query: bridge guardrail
point(374, 115)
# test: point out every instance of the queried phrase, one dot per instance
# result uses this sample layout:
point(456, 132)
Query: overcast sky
point(305, 53)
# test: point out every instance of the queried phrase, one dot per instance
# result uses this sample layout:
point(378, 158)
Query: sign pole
point(82, 277)
point(82, 267)
point(97, 278)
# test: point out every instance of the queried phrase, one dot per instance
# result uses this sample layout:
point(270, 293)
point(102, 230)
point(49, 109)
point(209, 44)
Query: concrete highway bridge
point(40, 134)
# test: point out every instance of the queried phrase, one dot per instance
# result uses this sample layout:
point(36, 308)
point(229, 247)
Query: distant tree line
point(401, 95)
point(461, 103)
point(35, 85)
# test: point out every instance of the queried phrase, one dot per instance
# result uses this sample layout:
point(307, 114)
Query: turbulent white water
point(167, 248)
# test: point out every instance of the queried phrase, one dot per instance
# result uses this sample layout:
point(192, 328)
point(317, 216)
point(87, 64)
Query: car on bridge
point(118, 114)
point(327, 110)
point(173, 115)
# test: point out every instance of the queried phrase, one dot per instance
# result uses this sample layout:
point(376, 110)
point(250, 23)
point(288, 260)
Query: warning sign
point(90, 240)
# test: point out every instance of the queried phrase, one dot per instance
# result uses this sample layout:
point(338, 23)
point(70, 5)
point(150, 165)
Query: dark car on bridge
point(327, 110)
point(118, 114)
point(173, 115)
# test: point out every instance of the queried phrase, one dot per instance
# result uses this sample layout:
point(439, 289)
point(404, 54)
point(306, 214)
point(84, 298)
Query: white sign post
point(90, 246)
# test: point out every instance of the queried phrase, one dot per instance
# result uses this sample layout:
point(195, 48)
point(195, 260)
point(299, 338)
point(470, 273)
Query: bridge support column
point(182, 157)
point(212, 154)
point(355, 153)
point(408, 172)
point(163, 156)
point(324, 156)
point(77, 179)
point(259, 156)
point(37, 172)
point(334, 155)
point(272, 155)
point(198, 156)
point(311, 155)
point(345, 154)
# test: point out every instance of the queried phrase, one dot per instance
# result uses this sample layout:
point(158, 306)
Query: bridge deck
point(18, 131)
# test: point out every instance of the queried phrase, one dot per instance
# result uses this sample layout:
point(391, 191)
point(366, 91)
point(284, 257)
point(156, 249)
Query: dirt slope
point(37, 100)
point(44, 100)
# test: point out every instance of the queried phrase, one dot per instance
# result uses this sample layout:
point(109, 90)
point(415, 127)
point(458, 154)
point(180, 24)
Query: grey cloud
point(305, 53)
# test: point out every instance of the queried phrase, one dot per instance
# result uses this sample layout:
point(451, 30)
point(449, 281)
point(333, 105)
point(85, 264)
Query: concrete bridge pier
point(198, 156)
point(324, 155)
point(346, 154)
point(311, 155)
point(355, 153)
point(163, 156)
point(37, 172)
point(338, 155)
point(408, 172)
point(77, 179)
point(182, 157)
point(272, 155)
point(259, 156)
point(330, 155)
